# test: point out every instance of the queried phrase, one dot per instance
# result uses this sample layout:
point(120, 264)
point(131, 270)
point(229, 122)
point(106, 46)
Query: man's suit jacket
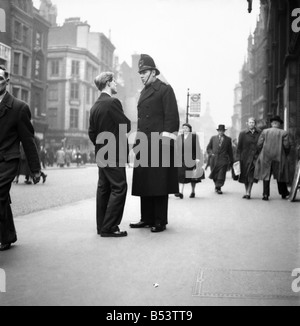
point(15, 126)
point(220, 156)
point(107, 116)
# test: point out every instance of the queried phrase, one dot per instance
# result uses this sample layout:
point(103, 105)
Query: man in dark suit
point(15, 126)
point(221, 158)
point(157, 115)
point(108, 132)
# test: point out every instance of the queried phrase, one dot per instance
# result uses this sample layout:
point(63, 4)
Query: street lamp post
point(187, 106)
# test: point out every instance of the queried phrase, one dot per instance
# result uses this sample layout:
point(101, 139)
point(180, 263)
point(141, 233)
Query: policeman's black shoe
point(158, 228)
point(7, 246)
point(139, 225)
point(116, 234)
point(265, 198)
point(192, 195)
point(219, 192)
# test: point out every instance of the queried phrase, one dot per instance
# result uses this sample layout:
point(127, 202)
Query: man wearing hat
point(274, 145)
point(221, 157)
point(157, 114)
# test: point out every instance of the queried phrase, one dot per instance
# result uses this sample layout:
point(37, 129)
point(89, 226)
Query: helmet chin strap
point(148, 78)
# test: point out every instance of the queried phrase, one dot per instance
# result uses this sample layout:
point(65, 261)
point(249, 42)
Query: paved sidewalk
point(60, 260)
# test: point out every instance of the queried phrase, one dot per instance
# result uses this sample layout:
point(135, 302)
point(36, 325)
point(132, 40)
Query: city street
point(217, 249)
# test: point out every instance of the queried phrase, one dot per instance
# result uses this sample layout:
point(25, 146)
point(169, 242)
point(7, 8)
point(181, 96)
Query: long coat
point(247, 153)
point(275, 145)
point(157, 113)
point(188, 148)
point(220, 157)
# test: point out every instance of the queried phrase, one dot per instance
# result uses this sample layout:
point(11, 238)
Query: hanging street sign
point(195, 105)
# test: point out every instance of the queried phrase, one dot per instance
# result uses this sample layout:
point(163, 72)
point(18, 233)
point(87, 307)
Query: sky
point(198, 45)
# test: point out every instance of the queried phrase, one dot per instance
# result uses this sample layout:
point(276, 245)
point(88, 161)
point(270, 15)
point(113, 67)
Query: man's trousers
point(111, 197)
point(8, 171)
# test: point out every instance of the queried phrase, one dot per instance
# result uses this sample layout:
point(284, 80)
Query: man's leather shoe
point(139, 225)
point(158, 228)
point(265, 198)
point(44, 176)
point(4, 247)
point(116, 234)
point(219, 192)
point(285, 196)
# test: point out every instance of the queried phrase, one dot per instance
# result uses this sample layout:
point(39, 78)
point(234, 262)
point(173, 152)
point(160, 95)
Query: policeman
point(157, 115)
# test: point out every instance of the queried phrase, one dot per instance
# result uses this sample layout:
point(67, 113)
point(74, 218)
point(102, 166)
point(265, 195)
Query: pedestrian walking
point(15, 126)
point(68, 156)
point(189, 155)
point(247, 154)
point(221, 158)
point(274, 146)
point(107, 119)
point(61, 157)
point(157, 115)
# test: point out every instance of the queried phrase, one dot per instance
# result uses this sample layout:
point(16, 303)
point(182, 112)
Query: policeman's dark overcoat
point(157, 113)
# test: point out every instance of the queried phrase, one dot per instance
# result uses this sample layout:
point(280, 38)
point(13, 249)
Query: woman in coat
point(247, 154)
point(188, 146)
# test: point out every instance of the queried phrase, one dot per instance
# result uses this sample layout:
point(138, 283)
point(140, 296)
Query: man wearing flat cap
point(221, 158)
point(157, 114)
point(274, 146)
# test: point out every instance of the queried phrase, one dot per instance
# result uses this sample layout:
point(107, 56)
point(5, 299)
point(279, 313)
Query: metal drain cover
point(222, 283)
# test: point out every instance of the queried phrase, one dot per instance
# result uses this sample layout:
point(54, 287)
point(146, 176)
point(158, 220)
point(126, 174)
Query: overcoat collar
point(147, 92)
point(6, 104)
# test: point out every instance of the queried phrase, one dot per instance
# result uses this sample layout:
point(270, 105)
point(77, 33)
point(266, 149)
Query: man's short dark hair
point(5, 72)
point(102, 79)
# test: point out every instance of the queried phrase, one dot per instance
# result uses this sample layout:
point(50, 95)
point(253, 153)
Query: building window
point(55, 68)
point(88, 95)
point(74, 115)
point(37, 105)
point(25, 65)
point(38, 40)
point(87, 120)
point(18, 27)
point(74, 91)
point(16, 92)
point(75, 68)
point(52, 118)
point(25, 35)
point(17, 58)
point(53, 93)
point(25, 96)
point(38, 69)
point(2, 21)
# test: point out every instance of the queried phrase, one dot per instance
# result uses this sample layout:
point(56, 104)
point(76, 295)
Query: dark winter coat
point(247, 153)
point(157, 113)
point(220, 157)
point(15, 126)
point(107, 116)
